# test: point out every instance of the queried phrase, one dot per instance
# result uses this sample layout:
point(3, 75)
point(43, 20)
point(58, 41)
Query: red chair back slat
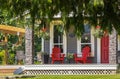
point(56, 50)
point(85, 54)
point(56, 55)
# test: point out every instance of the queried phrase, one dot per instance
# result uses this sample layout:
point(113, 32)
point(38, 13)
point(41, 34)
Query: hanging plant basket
point(44, 34)
point(98, 4)
point(98, 32)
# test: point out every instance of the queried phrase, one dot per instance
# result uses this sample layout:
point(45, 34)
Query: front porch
point(69, 69)
point(60, 69)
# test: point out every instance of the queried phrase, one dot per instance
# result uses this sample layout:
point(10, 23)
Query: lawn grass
point(74, 77)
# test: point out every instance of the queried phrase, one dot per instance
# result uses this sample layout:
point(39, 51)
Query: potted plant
point(70, 57)
point(44, 34)
point(98, 32)
point(19, 53)
point(39, 58)
point(45, 57)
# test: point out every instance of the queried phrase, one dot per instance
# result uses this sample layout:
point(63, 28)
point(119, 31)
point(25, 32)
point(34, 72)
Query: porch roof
point(12, 30)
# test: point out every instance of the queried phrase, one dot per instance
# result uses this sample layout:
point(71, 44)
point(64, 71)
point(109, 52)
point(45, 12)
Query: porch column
point(6, 49)
point(112, 47)
point(98, 50)
point(42, 44)
point(28, 46)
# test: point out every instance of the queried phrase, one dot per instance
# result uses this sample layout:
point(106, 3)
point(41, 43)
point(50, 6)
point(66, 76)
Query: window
point(86, 39)
point(58, 36)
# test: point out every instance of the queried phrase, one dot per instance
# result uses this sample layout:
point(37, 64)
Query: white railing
point(72, 66)
point(73, 69)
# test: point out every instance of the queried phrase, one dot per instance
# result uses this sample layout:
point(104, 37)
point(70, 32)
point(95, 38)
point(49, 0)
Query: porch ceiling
point(12, 30)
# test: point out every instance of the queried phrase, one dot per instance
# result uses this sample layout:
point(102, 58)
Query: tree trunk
point(28, 47)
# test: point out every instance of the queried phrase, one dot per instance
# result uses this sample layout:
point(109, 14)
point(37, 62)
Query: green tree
point(108, 11)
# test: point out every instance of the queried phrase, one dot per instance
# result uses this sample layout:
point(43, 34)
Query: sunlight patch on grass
point(74, 77)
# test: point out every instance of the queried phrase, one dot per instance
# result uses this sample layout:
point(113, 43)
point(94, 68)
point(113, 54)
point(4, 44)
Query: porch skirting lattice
point(69, 69)
point(67, 72)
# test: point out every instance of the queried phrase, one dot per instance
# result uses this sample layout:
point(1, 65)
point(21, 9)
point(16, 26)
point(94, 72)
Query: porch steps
point(66, 69)
point(8, 69)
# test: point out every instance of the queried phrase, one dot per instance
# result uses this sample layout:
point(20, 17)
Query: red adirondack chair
point(85, 54)
point(57, 55)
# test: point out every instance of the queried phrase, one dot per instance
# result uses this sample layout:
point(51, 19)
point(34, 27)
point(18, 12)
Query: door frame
point(92, 45)
point(57, 22)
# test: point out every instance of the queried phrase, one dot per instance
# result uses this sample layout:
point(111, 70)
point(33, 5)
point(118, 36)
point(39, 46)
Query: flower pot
point(46, 58)
point(20, 56)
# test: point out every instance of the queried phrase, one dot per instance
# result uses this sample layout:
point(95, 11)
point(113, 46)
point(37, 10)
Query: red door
point(105, 49)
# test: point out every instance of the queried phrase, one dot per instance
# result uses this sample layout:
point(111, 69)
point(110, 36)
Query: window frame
point(52, 24)
point(91, 42)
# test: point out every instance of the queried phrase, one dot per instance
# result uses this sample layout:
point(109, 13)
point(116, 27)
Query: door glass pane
point(58, 36)
point(86, 37)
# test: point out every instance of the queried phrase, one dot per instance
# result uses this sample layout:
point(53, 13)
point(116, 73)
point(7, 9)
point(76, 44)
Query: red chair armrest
point(52, 55)
point(75, 55)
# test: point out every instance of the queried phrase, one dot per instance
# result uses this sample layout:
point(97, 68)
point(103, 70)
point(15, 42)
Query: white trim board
point(118, 42)
point(98, 50)
point(71, 67)
point(42, 43)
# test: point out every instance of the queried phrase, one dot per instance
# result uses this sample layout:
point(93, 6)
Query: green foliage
point(18, 47)
point(118, 68)
point(69, 56)
point(107, 11)
point(1, 39)
point(13, 39)
point(98, 33)
point(11, 47)
point(11, 59)
point(44, 35)
point(59, 29)
point(37, 62)
point(37, 44)
point(2, 57)
point(98, 5)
